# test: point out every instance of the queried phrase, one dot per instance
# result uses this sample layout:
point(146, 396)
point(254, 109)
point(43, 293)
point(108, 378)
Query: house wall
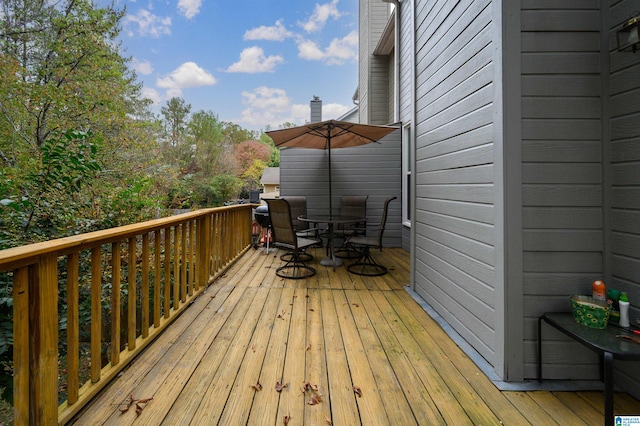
point(623, 177)
point(370, 169)
point(406, 47)
point(561, 172)
point(373, 70)
point(454, 170)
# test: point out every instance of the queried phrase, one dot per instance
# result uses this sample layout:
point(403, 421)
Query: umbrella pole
point(330, 195)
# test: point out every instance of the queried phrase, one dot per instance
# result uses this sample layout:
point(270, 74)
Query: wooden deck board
point(333, 331)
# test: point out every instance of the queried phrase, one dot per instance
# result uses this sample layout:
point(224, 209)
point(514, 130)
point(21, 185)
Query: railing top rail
point(9, 258)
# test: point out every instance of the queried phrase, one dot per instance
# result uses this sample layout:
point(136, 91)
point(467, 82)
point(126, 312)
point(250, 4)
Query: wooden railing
point(157, 267)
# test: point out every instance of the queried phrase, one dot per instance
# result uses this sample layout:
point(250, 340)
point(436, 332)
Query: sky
point(251, 62)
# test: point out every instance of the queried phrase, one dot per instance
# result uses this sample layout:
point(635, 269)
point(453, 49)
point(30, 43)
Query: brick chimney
point(316, 109)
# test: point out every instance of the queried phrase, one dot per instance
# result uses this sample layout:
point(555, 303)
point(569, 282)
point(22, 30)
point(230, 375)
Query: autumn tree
point(248, 151)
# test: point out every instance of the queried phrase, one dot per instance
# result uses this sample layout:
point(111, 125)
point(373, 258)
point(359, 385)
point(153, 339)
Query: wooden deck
point(322, 338)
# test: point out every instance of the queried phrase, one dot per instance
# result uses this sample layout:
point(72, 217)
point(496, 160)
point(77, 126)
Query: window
point(407, 164)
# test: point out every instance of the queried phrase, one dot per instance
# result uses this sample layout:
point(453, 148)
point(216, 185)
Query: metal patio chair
point(366, 264)
point(356, 206)
point(284, 236)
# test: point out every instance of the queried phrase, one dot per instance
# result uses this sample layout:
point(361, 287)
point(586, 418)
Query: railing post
point(44, 342)
point(21, 388)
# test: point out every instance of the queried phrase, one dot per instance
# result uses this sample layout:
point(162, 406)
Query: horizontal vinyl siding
point(372, 170)
point(561, 172)
point(455, 247)
point(624, 179)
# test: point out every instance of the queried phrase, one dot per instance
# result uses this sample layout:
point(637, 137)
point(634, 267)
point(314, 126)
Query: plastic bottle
point(599, 291)
point(614, 296)
point(624, 310)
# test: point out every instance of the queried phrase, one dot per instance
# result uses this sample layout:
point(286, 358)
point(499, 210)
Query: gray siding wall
point(405, 45)
point(372, 170)
point(624, 177)
point(454, 220)
point(373, 70)
point(561, 172)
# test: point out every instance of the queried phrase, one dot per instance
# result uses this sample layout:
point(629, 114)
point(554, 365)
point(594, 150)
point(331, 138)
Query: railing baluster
point(115, 303)
point(167, 271)
point(176, 267)
point(96, 314)
point(157, 275)
point(145, 286)
point(131, 295)
point(193, 287)
point(73, 333)
point(183, 261)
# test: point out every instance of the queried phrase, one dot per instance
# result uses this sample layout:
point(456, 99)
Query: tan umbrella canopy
point(329, 135)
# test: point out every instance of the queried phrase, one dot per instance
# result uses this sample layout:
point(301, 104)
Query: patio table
point(603, 341)
point(331, 220)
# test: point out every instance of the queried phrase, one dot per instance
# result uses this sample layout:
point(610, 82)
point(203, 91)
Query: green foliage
point(225, 187)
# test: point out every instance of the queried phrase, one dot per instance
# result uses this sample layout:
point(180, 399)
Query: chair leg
point(348, 251)
point(366, 265)
point(295, 268)
point(303, 257)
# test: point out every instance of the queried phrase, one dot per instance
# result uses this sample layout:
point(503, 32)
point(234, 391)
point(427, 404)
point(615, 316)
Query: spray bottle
point(624, 310)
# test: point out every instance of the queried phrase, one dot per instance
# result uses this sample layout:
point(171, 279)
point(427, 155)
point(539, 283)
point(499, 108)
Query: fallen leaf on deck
point(310, 387)
point(311, 309)
point(286, 419)
point(357, 391)
point(140, 404)
point(253, 348)
point(328, 420)
point(280, 386)
point(124, 406)
point(257, 386)
point(309, 346)
point(356, 305)
point(315, 400)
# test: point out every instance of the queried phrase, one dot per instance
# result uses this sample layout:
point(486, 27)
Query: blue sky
point(252, 62)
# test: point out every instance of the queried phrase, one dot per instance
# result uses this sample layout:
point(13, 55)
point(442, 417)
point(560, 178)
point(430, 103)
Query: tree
point(206, 132)
point(274, 161)
point(175, 114)
point(253, 174)
point(248, 151)
point(63, 75)
point(225, 187)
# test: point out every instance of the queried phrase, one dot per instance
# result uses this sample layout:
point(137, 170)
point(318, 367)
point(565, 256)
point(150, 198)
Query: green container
point(589, 312)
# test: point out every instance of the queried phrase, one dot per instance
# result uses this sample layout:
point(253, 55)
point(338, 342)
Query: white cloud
point(142, 67)
point(339, 51)
point(272, 106)
point(189, 8)
point(268, 106)
point(252, 60)
point(186, 76)
point(309, 50)
point(331, 111)
point(277, 32)
point(152, 94)
point(147, 24)
point(321, 14)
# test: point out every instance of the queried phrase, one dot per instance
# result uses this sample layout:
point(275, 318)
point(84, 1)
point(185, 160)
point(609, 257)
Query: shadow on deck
point(348, 350)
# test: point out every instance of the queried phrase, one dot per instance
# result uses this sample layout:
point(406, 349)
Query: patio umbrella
point(329, 135)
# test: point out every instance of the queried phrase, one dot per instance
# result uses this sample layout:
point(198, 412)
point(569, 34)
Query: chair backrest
point(383, 220)
point(281, 224)
point(353, 205)
point(298, 204)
